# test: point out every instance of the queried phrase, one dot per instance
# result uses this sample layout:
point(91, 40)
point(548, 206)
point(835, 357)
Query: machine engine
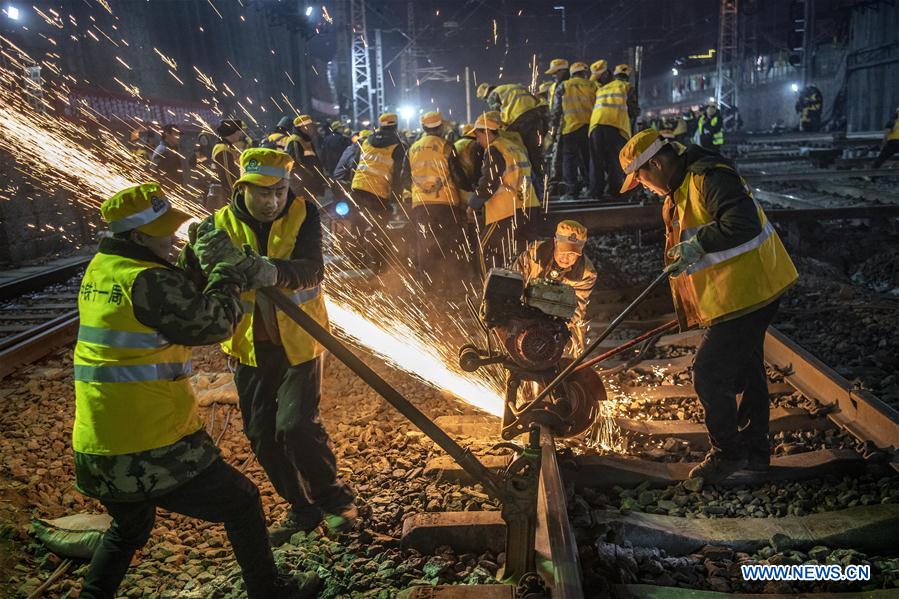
point(531, 322)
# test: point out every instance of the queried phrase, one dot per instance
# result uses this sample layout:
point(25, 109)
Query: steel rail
point(39, 341)
point(40, 279)
point(556, 547)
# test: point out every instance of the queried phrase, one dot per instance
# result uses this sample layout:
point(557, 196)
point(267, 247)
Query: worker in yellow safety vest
point(728, 269)
point(504, 191)
point(470, 156)
point(570, 116)
point(599, 72)
point(710, 129)
point(890, 141)
point(437, 209)
point(610, 127)
point(308, 179)
point(558, 68)
point(523, 113)
point(562, 259)
point(381, 178)
point(225, 155)
point(279, 365)
point(138, 439)
point(277, 139)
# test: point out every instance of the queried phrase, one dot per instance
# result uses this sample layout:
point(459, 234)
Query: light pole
point(561, 8)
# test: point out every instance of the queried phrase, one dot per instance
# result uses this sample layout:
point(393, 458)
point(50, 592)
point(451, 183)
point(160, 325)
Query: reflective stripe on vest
point(464, 152)
point(298, 344)
point(610, 107)
point(431, 182)
point(132, 374)
point(306, 145)
point(516, 191)
point(577, 103)
point(515, 100)
point(113, 338)
point(132, 391)
point(375, 170)
point(729, 283)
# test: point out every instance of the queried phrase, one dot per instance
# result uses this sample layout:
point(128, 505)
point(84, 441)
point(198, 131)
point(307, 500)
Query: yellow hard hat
point(622, 69)
point(335, 125)
point(364, 133)
point(482, 91)
point(487, 121)
point(388, 119)
point(578, 67)
point(264, 167)
point(571, 236)
point(431, 119)
point(599, 66)
point(637, 152)
point(556, 65)
point(142, 207)
point(468, 130)
point(303, 119)
point(713, 102)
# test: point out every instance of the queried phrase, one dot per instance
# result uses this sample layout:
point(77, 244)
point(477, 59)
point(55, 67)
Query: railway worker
point(279, 370)
point(470, 156)
point(349, 160)
point(378, 185)
point(890, 141)
point(437, 210)
point(711, 127)
point(277, 139)
point(809, 106)
point(729, 271)
point(558, 68)
point(138, 439)
point(599, 73)
point(504, 191)
point(562, 259)
point(308, 178)
point(523, 113)
point(167, 160)
point(333, 143)
point(225, 155)
point(610, 128)
point(570, 116)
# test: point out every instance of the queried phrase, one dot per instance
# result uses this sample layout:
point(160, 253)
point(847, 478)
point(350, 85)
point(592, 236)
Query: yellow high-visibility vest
point(610, 107)
point(132, 386)
point(431, 181)
point(220, 149)
point(578, 95)
point(705, 122)
point(515, 100)
point(465, 153)
point(729, 283)
point(516, 190)
point(276, 140)
point(298, 345)
point(375, 170)
point(894, 132)
point(308, 150)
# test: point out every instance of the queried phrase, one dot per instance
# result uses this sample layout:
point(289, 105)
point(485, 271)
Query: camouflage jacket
point(537, 263)
point(168, 300)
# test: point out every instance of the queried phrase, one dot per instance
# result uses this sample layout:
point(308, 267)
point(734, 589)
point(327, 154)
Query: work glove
point(684, 255)
point(214, 247)
point(475, 203)
point(259, 271)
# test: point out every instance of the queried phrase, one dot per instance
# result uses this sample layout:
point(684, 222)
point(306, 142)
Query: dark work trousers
point(442, 254)
point(368, 244)
point(886, 152)
point(532, 126)
point(605, 144)
point(575, 157)
point(728, 362)
point(218, 494)
point(279, 404)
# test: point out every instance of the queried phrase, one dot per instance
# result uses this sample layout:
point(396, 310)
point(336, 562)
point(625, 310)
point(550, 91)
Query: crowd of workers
point(138, 438)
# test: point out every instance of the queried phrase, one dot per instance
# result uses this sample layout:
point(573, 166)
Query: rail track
point(38, 311)
point(571, 527)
